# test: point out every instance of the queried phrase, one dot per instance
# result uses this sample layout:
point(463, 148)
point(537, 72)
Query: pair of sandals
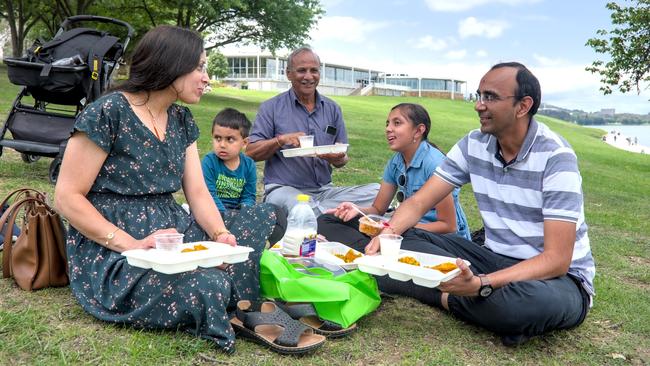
point(285, 328)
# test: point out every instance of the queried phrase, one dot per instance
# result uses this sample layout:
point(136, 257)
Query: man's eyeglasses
point(202, 68)
point(486, 98)
point(401, 183)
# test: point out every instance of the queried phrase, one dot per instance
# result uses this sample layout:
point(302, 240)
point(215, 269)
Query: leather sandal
point(265, 323)
point(306, 314)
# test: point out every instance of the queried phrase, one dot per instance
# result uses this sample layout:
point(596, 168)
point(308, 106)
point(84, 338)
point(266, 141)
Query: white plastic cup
point(168, 242)
point(306, 141)
point(389, 245)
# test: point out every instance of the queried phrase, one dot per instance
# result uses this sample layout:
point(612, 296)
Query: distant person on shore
point(303, 111)
point(535, 272)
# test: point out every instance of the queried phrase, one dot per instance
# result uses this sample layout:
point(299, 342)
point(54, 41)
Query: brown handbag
point(37, 259)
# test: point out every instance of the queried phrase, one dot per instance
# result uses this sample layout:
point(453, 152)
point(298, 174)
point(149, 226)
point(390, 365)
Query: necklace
point(153, 119)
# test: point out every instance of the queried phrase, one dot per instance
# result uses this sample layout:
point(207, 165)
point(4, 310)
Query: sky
point(461, 39)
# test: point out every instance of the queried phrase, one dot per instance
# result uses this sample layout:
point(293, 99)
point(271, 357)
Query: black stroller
point(60, 77)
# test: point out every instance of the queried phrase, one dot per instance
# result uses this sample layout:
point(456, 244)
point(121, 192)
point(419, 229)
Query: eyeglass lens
point(400, 196)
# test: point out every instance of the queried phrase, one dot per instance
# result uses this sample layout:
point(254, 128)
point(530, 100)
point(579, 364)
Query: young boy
point(229, 174)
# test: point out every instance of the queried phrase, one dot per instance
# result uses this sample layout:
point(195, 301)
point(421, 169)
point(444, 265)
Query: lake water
point(642, 133)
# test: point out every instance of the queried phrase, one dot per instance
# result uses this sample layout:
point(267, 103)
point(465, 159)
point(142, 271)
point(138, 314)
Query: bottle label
point(308, 246)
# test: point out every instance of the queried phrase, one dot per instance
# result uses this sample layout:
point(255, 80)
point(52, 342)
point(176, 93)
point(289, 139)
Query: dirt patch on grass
point(635, 282)
point(639, 261)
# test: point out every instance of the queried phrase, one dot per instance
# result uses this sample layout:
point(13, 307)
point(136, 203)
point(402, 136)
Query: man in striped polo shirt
point(535, 271)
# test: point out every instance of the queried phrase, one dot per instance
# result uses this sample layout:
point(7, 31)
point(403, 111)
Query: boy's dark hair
point(232, 118)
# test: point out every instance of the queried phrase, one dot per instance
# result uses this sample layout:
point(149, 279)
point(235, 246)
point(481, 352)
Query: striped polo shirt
point(542, 183)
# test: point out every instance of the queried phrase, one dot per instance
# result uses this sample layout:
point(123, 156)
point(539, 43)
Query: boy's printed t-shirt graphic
point(229, 187)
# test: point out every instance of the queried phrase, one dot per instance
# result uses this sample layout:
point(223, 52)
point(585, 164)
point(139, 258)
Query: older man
point(535, 272)
point(281, 120)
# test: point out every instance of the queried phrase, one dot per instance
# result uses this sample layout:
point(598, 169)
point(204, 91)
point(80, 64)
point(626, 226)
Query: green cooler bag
point(342, 299)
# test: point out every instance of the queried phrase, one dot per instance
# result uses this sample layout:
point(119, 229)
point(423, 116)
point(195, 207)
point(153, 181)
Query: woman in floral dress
point(131, 149)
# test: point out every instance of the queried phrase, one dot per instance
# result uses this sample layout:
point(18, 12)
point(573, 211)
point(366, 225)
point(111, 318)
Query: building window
point(251, 67)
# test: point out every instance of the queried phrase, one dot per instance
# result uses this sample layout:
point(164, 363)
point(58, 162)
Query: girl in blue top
point(415, 160)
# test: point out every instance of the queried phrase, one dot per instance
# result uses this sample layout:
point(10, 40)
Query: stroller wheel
point(55, 166)
point(29, 158)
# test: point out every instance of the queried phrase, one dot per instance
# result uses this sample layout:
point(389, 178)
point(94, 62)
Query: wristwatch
point(486, 288)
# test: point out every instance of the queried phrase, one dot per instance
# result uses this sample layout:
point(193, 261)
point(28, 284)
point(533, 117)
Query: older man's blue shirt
point(285, 114)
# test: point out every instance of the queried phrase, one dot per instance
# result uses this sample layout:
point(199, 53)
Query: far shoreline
point(623, 142)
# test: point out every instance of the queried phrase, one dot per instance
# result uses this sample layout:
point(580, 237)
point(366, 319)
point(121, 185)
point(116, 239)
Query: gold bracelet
point(278, 141)
point(110, 236)
point(219, 232)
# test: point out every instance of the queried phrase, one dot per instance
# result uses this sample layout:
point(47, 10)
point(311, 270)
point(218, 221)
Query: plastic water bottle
point(300, 237)
point(69, 61)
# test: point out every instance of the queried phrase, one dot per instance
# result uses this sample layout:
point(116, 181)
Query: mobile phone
point(331, 130)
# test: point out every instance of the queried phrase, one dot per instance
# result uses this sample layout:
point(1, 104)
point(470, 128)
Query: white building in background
point(608, 112)
point(261, 71)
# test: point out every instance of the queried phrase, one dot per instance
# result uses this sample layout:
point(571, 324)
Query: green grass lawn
point(49, 327)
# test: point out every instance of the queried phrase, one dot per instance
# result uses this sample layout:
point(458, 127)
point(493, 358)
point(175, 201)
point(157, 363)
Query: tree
point(270, 24)
point(217, 64)
point(58, 10)
point(21, 15)
point(628, 46)
point(4, 36)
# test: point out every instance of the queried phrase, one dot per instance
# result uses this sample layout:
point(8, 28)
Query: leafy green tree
point(271, 24)
point(628, 46)
point(21, 15)
point(58, 10)
point(217, 64)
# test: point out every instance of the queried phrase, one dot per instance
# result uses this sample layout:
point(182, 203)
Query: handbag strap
point(25, 191)
point(10, 217)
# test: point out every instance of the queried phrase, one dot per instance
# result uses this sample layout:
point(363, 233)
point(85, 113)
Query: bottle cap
point(302, 198)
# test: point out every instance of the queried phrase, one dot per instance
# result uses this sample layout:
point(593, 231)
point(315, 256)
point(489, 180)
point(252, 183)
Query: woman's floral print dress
point(133, 190)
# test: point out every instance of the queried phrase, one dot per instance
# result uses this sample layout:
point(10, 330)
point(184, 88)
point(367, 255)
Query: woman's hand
point(227, 238)
point(126, 242)
point(345, 211)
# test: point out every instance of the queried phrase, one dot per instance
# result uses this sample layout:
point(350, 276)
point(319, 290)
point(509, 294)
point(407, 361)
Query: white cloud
point(473, 27)
point(345, 29)
point(548, 61)
point(481, 53)
point(563, 77)
point(456, 55)
point(462, 5)
point(429, 43)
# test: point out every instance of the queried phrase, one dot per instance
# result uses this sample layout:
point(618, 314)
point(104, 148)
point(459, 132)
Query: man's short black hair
point(527, 84)
point(232, 118)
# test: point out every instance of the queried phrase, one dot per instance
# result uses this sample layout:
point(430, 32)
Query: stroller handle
point(97, 18)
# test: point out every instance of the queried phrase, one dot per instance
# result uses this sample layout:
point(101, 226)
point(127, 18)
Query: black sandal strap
point(292, 329)
point(297, 311)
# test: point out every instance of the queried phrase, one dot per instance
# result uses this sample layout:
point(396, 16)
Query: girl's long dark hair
point(416, 114)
